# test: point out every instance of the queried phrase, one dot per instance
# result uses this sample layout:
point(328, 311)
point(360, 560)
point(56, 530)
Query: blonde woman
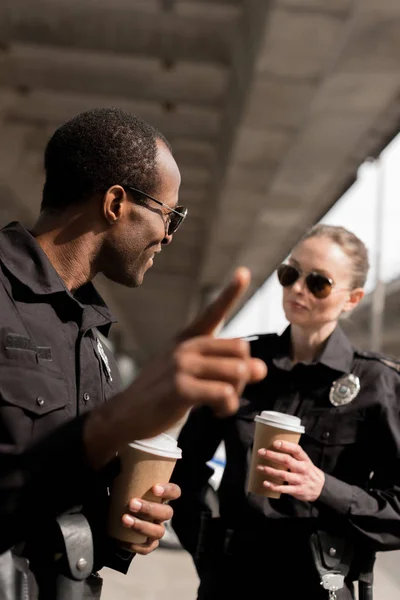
point(342, 489)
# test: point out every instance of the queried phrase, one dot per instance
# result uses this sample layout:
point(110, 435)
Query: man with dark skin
point(109, 206)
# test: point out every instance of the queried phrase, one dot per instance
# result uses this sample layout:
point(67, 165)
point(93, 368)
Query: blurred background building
point(370, 208)
point(271, 107)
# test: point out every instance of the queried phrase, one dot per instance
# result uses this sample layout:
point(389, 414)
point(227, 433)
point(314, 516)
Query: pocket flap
point(35, 390)
point(336, 429)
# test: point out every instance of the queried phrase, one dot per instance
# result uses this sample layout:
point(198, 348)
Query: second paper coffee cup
point(270, 426)
point(143, 464)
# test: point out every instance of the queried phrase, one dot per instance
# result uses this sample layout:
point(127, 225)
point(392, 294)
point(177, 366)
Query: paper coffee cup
point(143, 464)
point(270, 426)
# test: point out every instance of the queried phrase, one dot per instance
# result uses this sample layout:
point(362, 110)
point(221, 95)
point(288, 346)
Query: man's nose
point(167, 239)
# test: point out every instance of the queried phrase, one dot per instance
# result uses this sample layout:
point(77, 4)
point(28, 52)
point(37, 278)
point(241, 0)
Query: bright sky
point(357, 210)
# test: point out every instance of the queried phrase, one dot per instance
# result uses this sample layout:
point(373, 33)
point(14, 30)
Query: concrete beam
point(193, 152)
point(216, 3)
point(325, 146)
point(287, 95)
point(68, 70)
point(12, 148)
point(299, 45)
point(46, 107)
point(246, 50)
point(135, 28)
point(20, 179)
point(334, 7)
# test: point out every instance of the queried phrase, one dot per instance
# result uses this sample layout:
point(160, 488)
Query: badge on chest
point(104, 360)
point(344, 390)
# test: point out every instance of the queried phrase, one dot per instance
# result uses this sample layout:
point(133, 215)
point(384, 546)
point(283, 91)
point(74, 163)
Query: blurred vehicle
point(217, 463)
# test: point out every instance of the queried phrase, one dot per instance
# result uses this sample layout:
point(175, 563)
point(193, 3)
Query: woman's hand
point(303, 480)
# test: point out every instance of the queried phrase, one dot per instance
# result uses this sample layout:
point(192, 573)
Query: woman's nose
point(299, 285)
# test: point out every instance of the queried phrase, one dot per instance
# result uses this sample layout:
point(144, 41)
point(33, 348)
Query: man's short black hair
point(95, 150)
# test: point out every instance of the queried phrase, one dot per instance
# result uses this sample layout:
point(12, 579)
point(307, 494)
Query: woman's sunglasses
point(319, 285)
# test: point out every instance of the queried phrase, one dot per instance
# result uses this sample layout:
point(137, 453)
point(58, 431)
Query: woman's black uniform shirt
point(357, 445)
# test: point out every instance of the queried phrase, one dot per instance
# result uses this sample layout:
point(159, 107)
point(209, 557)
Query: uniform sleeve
point(42, 481)
point(374, 512)
point(199, 439)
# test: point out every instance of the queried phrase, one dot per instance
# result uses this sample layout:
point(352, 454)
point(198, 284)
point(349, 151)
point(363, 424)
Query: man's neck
point(307, 344)
point(70, 250)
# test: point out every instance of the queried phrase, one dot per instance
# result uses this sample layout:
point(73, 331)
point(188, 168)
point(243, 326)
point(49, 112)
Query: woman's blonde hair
point(350, 244)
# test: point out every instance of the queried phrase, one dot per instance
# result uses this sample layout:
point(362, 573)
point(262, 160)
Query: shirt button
point(326, 435)
point(86, 397)
point(39, 401)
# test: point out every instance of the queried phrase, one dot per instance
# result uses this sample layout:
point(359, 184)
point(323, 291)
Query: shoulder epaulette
point(389, 361)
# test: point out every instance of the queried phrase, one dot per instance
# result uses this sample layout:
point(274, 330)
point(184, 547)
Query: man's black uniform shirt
point(54, 369)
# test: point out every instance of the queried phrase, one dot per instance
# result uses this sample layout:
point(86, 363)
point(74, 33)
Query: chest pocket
point(333, 428)
point(33, 401)
point(333, 438)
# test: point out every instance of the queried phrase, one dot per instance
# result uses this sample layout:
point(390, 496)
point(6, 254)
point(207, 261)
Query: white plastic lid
point(162, 445)
point(281, 420)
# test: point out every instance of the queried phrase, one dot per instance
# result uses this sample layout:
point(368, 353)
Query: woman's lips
point(297, 305)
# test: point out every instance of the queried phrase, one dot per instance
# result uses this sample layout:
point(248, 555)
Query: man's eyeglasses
point(319, 285)
point(175, 216)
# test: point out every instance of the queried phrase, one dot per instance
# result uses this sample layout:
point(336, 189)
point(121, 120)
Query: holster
point(337, 555)
point(331, 554)
point(66, 566)
point(75, 561)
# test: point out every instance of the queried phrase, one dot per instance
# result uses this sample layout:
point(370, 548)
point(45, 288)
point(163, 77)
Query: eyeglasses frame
point(182, 214)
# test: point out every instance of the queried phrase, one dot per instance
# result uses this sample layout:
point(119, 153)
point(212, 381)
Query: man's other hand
point(147, 517)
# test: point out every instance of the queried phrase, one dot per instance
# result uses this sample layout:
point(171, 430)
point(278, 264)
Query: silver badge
point(344, 390)
point(104, 359)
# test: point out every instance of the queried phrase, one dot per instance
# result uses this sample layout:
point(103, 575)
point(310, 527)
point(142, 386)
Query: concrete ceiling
point(270, 107)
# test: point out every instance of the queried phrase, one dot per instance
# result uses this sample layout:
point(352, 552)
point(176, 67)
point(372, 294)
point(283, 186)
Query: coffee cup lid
point(281, 420)
point(162, 445)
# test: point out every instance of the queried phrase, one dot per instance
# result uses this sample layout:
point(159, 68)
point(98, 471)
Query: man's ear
point(354, 299)
point(113, 203)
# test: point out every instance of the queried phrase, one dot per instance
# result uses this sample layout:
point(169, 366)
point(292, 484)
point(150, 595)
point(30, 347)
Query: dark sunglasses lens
point(319, 285)
point(287, 275)
point(176, 220)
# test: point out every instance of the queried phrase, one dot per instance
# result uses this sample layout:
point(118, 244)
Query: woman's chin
point(300, 320)
point(295, 318)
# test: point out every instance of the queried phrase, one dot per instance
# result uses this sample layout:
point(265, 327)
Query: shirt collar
point(337, 354)
point(23, 256)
